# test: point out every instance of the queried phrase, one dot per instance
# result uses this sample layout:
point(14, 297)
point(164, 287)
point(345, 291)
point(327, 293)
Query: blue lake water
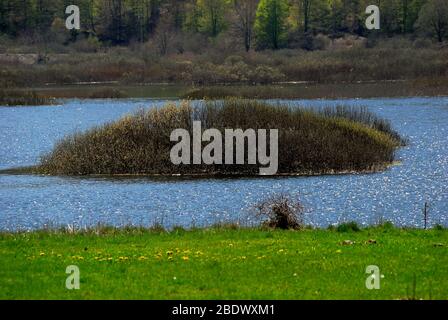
point(397, 195)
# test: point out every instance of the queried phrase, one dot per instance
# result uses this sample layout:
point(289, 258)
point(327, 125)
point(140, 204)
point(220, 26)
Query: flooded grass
point(24, 98)
point(287, 91)
point(422, 87)
point(112, 90)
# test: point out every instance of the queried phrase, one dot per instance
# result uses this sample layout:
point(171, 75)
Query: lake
point(397, 194)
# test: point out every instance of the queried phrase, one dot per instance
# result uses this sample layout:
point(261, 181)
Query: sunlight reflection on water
point(397, 195)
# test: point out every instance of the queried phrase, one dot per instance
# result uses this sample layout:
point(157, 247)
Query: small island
point(310, 141)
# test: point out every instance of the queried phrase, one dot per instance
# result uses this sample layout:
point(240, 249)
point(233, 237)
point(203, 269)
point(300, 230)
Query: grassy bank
point(310, 142)
point(225, 264)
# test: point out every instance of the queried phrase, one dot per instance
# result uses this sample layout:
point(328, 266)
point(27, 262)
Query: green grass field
point(224, 263)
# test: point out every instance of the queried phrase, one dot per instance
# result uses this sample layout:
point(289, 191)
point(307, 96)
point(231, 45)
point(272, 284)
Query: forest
point(215, 42)
point(252, 24)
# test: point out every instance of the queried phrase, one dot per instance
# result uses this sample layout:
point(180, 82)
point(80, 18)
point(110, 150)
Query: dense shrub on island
point(331, 140)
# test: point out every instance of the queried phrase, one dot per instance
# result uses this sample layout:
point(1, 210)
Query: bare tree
point(433, 18)
point(405, 6)
point(244, 20)
point(305, 9)
point(164, 32)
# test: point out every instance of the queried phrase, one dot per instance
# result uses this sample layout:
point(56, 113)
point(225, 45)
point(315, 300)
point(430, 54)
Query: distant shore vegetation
point(393, 60)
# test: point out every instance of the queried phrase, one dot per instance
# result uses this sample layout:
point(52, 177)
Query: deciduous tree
point(244, 20)
point(212, 13)
point(271, 23)
point(433, 18)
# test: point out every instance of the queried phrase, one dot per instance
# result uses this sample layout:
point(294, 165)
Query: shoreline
point(199, 176)
point(284, 91)
point(157, 229)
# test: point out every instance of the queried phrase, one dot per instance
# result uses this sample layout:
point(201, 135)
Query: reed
point(310, 141)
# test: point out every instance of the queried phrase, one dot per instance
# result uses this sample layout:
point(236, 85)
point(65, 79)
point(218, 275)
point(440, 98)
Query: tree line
point(255, 24)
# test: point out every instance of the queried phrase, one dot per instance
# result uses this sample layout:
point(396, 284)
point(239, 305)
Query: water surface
point(397, 195)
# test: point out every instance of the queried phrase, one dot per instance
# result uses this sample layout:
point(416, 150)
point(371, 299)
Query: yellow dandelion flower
point(185, 258)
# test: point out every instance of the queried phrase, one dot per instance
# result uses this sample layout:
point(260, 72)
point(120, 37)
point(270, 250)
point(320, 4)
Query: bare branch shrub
point(281, 211)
